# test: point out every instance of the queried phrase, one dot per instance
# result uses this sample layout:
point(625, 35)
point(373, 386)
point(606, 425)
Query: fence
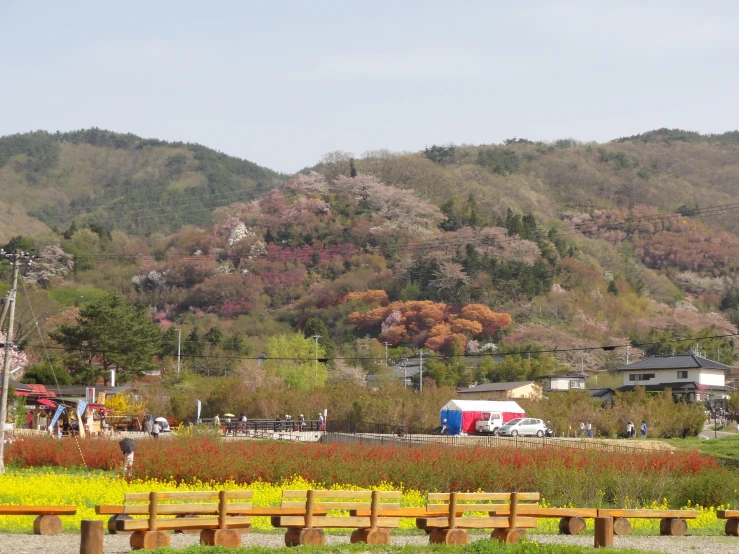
point(402, 435)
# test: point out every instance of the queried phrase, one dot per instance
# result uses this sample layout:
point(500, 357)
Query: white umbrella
point(161, 420)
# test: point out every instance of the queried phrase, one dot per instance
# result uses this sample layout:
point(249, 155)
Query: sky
point(283, 83)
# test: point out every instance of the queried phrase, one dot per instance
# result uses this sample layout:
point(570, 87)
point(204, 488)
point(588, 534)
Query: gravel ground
point(118, 544)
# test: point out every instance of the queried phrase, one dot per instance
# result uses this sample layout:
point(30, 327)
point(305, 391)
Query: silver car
point(523, 426)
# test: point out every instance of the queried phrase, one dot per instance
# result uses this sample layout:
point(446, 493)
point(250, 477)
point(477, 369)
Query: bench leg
point(111, 524)
point(47, 525)
point(571, 525)
point(673, 526)
point(371, 536)
point(296, 536)
point(421, 524)
point(509, 536)
point(449, 536)
point(621, 526)
point(148, 540)
point(229, 538)
point(732, 527)
point(603, 532)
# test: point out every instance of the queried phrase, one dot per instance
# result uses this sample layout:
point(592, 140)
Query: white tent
point(461, 415)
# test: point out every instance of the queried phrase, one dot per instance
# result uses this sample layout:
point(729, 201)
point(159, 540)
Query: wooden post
point(309, 508)
point(153, 501)
point(222, 509)
point(514, 511)
point(374, 506)
point(453, 510)
point(91, 538)
point(603, 532)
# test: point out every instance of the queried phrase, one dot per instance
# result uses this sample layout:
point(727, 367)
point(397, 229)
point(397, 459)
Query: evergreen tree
point(193, 344)
point(110, 333)
point(352, 168)
point(315, 326)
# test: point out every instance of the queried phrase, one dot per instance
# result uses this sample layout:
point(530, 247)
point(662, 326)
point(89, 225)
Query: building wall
point(531, 390)
point(714, 377)
point(563, 383)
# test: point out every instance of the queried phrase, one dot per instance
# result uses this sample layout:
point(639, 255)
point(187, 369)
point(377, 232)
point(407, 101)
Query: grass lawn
point(477, 547)
point(723, 447)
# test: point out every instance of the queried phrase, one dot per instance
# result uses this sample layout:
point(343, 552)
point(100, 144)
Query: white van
point(489, 423)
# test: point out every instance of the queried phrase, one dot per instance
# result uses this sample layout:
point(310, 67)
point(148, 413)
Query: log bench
point(47, 521)
point(451, 527)
point(732, 521)
point(610, 522)
point(306, 526)
point(231, 518)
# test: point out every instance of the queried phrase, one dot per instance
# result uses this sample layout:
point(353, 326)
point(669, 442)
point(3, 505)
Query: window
point(682, 374)
point(641, 376)
point(574, 384)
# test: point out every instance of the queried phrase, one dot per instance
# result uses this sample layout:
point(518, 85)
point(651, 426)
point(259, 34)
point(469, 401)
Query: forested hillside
point(122, 181)
point(545, 253)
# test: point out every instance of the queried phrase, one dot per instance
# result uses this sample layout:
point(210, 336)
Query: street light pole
point(179, 342)
point(315, 379)
point(420, 374)
point(15, 260)
point(386, 362)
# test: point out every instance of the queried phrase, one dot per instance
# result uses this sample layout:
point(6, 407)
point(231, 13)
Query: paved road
point(709, 432)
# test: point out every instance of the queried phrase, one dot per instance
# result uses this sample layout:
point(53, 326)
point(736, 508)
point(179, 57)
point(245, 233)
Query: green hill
point(120, 181)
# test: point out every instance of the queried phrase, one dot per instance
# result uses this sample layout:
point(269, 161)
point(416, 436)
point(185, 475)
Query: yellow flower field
point(59, 487)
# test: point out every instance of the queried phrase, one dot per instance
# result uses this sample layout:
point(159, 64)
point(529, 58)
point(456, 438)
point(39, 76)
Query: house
point(563, 382)
point(604, 395)
point(407, 370)
point(690, 377)
point(501, 391)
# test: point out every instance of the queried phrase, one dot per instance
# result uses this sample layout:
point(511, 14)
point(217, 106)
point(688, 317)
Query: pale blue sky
point(282, 83)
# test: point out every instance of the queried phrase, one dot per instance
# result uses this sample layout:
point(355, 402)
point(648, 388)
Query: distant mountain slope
point(120, 180)
point(666, 168)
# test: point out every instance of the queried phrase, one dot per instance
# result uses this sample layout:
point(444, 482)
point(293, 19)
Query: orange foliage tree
point(435, 325)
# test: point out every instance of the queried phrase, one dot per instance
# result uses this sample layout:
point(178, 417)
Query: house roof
point(682, 361)
point(676, 386)
point(565, 376)
point(494, 387)
point(598, 393)
point(76, 391)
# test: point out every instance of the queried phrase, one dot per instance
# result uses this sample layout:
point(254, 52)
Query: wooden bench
point(47, 521)
point(610, 522)
point(732, 521)
point(232, 519)
point(451, 528)
point(306, 527)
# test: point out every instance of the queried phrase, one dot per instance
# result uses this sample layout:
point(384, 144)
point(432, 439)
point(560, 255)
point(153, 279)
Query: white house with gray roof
point(689, 376)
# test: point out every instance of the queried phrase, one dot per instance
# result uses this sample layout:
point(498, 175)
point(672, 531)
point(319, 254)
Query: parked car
point(523, 426)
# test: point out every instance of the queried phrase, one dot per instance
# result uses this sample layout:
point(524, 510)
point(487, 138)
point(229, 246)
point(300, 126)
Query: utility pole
point(628, 347)
point(15, 260)
point(315, 379)
point(404, 361)
point(179, 342)
point(386, 362)
point(420, 374)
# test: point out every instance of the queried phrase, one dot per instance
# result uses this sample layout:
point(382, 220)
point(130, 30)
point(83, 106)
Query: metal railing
point(387, 434)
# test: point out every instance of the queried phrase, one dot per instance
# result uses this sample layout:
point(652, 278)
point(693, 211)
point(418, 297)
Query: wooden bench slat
point(188, 495)
point(341, 494)
point(196, 509)
point(444, 508)
point(727, 514)
point(338, 522)
point(479, 522)
point(646, 513)
point(109, 509)
point(173, 524)
point(38, 510)
point(396, 512)
point(339, 505)
point(559, 512)
point(482, 496)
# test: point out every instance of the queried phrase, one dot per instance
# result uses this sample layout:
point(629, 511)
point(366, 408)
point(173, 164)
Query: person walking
point(301, 422)
point(155, 429)
point(217, 423)
point(643, 429)
point(128, 446)
point(590, 430)
point(582, 429)
point(242, 421)
point(321, 423)
point(629, 429)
